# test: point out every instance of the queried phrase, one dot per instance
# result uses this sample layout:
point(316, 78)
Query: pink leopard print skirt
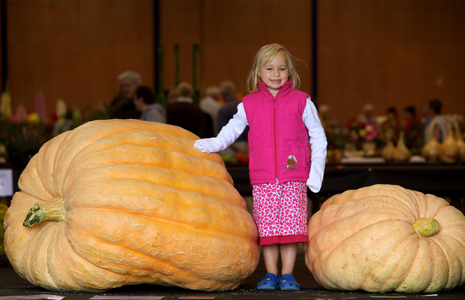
point(280, 212)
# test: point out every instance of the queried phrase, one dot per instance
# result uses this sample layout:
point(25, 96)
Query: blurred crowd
point(218, 104)
point(415, 126)
point(207, 112)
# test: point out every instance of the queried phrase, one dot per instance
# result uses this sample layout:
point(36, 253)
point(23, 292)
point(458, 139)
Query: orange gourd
point(386, 238)
point(401, 153)
point(430, 151)
point(124, 202)
point(388, 151)
point(449, 150)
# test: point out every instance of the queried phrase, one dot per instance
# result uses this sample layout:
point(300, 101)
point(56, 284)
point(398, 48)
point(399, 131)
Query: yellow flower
point(34, 118)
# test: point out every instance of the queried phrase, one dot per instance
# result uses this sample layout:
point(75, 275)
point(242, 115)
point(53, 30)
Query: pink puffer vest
point(278, 138)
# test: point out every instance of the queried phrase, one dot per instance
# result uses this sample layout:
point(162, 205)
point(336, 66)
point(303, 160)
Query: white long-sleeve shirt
point(238, 123)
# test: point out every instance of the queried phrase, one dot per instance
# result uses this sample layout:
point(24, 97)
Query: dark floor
point(12, 285)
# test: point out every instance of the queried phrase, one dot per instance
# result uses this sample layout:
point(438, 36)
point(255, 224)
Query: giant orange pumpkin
point(129, 202)
point(387, 238)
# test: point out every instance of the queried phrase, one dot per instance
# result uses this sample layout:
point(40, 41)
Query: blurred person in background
point(210, 104)
point(413, 128)
point(146, 104)
point(435, 118)
point(229, 109)
point(122, 106)
point(183, 112)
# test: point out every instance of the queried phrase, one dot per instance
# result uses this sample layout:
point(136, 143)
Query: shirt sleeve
point(228, 134)
point(318, 145)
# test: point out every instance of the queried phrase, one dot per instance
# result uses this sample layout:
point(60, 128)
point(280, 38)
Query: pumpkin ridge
point(174, 178)
point(28, 181)
point(198, 166)
point(111, 134)
point(232, 235)
point(383, 191)
point(37, 262)
point(70, 203)
point(38, 163)
point(325, 256)
point(167, 261)
point(154, 210)
point(426, 281)
point(442, 245)
point(239, 202)
point(90, 132)
point(375, 200)
point(332, 222)
point(392, 252)
point(165, 139)
point(342, 242)
point(396, 200)
point(366, 226)
point(56, 276)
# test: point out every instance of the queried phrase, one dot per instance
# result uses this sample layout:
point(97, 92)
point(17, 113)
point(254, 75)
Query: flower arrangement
point(363, 136)
point(22, 133)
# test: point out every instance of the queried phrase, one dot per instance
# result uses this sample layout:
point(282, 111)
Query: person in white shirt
point(282, 122)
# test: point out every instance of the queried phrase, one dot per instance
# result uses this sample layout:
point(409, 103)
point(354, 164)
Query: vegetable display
point(123, 202)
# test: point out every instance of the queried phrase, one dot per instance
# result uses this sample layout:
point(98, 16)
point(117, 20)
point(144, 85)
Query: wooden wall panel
point(387, 52)
point(235, 30)
point(229, 34)
point(391, 53)
point(74, 50)
point(179, 24)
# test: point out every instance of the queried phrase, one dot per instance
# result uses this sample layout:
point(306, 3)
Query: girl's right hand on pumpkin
point(210, 145)
point(201, 146)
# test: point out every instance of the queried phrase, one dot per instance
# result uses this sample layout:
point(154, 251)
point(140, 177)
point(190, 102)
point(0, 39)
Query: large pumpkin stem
point(426, 227)
point(54, 211)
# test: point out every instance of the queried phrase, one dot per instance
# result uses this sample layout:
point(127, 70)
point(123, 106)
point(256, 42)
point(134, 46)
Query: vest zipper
point(275, 107)
point(275, 140)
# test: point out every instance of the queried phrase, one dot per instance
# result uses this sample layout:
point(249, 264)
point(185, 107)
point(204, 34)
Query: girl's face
point(275, 73)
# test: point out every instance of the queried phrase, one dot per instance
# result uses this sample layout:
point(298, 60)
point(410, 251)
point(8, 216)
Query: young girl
point(281, 120)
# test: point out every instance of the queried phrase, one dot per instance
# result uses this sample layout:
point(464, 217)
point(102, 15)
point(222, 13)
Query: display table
point(441, 180)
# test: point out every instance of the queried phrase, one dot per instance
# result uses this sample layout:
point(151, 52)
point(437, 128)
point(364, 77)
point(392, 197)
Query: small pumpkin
point(430, 151)
point(401, 153)
point(388, 151)
point(120, 202)
point(449, 150)
point(3, 258)
point(386, 238)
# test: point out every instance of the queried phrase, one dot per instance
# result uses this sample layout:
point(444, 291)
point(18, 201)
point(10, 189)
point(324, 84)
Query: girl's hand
point(201, 146)
point(312, 187)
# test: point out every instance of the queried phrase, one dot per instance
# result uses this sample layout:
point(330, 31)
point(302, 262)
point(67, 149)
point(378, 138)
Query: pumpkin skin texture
point(138, 204)
point(365, 239)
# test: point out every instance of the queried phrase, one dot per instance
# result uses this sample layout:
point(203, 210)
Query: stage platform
point(12, 285)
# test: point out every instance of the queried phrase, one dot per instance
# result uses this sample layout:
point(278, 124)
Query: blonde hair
point(266, 54)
